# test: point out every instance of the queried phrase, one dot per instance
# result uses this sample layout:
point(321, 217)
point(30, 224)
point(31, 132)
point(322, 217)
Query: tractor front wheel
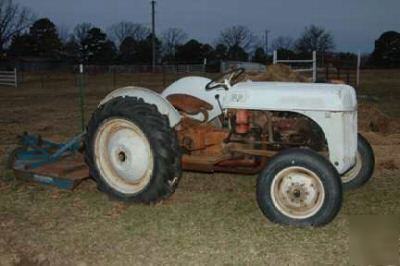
point(299, 187)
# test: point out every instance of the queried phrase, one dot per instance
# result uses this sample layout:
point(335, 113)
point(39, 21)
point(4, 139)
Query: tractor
point(301, 139)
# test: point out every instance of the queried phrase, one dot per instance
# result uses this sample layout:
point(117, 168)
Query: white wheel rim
point(350, 175)
point(297, 192)
point(123, 156)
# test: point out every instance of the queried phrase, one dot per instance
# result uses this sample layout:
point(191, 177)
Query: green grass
point(212, 219)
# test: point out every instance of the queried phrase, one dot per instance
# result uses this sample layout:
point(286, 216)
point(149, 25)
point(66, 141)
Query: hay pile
point(383, 132)
point(278, 72)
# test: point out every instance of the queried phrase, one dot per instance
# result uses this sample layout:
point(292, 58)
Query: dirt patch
point(374, 120)
point(389, 165)
point(383, 132)
point(27, 260)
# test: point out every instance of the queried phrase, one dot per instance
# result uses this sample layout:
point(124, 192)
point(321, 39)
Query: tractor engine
point(244, 142)
point(201, 138)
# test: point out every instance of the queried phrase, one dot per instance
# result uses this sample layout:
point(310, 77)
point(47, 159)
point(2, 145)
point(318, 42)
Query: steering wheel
point(225, 79)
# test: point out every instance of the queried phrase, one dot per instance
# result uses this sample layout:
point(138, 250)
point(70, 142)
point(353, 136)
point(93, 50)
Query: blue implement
point(50, 163)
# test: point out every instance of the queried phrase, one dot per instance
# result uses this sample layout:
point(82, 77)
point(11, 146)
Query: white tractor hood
point(283, 96)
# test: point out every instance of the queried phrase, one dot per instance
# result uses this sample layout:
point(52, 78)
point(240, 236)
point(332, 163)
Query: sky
point(355, 24)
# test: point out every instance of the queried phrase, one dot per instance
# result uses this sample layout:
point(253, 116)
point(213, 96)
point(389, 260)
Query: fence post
point(327, 72)
point(164, 76)
point(275, 57)
point(21, 75)
point(81, 97)
point(15, 78)
point(42, 80)
point(114, 79)
point(314, 66)
point(358, 68)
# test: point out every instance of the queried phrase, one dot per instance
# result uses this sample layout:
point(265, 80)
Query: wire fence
point(114, 76)
point(102, 80)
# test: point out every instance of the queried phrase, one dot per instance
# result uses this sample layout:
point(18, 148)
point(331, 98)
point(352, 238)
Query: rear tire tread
point(368, 165)
point(162, 138)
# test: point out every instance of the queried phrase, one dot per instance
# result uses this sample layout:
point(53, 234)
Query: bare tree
point(81, 31)
point(237, 36)
point(124, 29)
point(13, 20)
point(283, 42)
point(141, 32)
point(63, 32)
point(171, 38)
point(315, 38)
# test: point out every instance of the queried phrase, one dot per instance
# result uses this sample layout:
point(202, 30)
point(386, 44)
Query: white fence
point(312, 62)
point(9, 78)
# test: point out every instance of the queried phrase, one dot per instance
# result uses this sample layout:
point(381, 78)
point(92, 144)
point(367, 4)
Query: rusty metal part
point(206, 139)
point(295, 130)
point(239, 163)
point(242, 121)
point(223, 163)
point(255, 169)
point(188, 104)
point(208, 149)
point(255, 152)
point(252, 137)
point(270, 127)
point(203, 163)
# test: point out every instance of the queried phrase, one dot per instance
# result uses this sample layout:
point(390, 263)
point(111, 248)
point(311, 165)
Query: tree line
point(128, 42)
point(22, 35)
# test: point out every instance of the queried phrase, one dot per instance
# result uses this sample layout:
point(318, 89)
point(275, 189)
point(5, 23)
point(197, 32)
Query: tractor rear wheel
point(362, 171)
point(132, 151)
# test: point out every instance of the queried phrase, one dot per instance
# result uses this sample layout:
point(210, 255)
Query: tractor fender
point(340, 130)
point(150, 97)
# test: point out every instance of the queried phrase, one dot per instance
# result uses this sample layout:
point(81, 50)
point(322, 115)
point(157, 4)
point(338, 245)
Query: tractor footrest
point(65, 173)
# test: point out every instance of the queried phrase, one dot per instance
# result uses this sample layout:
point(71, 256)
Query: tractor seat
point(189, 104)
